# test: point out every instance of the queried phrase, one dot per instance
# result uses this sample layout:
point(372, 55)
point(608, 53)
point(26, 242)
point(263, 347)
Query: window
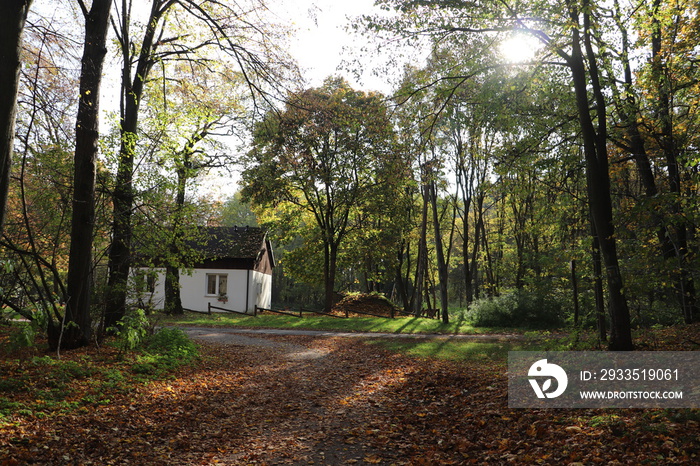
point(217, 284)
point(145, 281)
point(151, 283)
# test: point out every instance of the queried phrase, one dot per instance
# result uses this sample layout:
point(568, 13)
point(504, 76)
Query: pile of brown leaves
point(361, 304)
point(340, 401)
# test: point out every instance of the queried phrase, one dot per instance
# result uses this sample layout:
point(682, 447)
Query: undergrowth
point(41, 385)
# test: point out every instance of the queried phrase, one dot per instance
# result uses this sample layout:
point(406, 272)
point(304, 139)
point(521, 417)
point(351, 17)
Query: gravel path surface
point(230, 337)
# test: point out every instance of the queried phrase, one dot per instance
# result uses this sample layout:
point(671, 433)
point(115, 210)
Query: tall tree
point(571, 38)
point(663, 38)
point(583, 63)
point(75, 329)
point(191, 117)
point(13, 15)
point(36, 233)
point(325, 155)
point(136, 69)
point(652, 125)
point(234, 34)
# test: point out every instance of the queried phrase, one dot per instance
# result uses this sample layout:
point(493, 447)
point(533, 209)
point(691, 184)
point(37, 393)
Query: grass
point(456, 350)
point(408, 325)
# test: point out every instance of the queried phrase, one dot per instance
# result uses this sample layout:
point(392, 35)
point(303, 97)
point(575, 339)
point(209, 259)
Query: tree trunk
point(466, 258)
point(173, 300)
point(120, 248)
point(123, 196)
point(574, 289)
point(400, 283)
point(598, 182)
point(678, 230)
point(598, 287)
point(330, 267)
point(13, 14)
point(76, 328)
point(421, 260)
point(441, 262)
point(479, 237)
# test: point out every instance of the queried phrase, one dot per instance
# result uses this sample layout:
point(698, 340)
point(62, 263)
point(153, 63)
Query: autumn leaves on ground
point(302, 400)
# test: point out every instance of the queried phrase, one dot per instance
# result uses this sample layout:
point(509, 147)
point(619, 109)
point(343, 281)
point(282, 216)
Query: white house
point(236, 274)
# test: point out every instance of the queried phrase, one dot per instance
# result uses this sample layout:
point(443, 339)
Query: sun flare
point(519, 48)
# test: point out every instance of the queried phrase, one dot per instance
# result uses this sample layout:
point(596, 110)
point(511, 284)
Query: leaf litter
point(344, 402)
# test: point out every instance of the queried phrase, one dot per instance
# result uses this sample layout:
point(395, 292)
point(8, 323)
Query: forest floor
point(319, 400)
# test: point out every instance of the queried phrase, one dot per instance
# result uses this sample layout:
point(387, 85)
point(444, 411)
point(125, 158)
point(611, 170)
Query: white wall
point(262, 289)
point(155, 299)
point(193, 291)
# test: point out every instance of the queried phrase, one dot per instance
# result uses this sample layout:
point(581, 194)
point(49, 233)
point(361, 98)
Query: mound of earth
point(362, 304)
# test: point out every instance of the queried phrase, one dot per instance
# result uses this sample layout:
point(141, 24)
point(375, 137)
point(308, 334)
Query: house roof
point(232, 242)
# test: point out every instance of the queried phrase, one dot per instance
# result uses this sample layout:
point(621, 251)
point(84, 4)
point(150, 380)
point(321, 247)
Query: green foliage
point(166, 350)
point(657, 313)
point(132, 329)
point(10, 408)
point(575, 339)
point(44, 385)
point(328, 169)
point(174, 343)
point(23, 337)
point(157, 352)
point(518, 308)
point(10, 385)
point(72, 370)
point(235, 212)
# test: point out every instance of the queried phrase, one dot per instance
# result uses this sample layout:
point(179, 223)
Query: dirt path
point(290, 399)
point(232, 338)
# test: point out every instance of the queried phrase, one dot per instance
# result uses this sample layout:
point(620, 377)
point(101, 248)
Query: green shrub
point(132, 329)
point(518, 308)
point(65, 371)
point(167, 349)
point(172, 342)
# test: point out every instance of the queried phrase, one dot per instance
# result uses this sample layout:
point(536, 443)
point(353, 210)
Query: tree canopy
point(328, 159)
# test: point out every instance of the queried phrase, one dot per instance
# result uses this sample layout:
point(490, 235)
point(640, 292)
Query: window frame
point(217, 277)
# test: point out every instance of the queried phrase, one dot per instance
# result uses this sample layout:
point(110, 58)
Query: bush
point(172, 342)
point(518, 308)
point(132, 329)
point(167, 349)
point(23, 337)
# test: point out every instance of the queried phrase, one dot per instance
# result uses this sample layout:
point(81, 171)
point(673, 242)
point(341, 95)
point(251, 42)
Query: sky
point(320, 46)
point(322, 42)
